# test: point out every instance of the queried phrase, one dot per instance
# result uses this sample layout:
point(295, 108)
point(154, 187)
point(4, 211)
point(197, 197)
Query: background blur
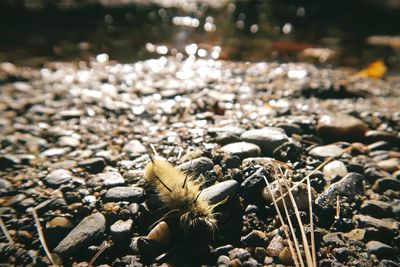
point(340, 33)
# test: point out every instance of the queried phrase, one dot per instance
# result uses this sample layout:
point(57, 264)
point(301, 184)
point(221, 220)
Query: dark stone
point(94, 165)
point(89, 230)
point(220, 191)
point(251, 188)
point(5, 186)
point(199, 166)
point(383, 184)
point(225, 138)
point(376, 208)
point(242, 149)
point(7, 161)
point(222, 250)
point(254, 239)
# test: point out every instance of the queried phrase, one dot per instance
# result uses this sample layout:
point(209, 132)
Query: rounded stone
point(341, 127)
point(268, 138)
point(242, 149)
point(334, 168)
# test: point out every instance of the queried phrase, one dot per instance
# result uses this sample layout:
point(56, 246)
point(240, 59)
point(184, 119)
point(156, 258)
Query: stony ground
point(75, 138)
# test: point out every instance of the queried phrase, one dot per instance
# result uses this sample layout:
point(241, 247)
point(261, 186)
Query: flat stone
point(89, 230)
point(341, 127)
point(357, 234)
point(389, 165)
point(220, 191)
point(326, 151)
point(380, 249)
point(334, 169)
point(268, 138)
point(349, 186)
point(335, 238)
point(69, 141)
point(124, 193)
point(134, 148)
point(93, 165)
point(121, 230)
point(368, 221)
point(58, 177)
point(55, 152)
point(199, 166)
point(242, 149)
point(111, 179)
point(383, 184)
point(70, 114)
point(275, 247)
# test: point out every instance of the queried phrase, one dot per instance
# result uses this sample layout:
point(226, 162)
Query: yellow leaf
point(374, 70)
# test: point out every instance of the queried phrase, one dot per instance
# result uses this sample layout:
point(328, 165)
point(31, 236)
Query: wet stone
point(58, 177)
point(89, 230)
point(340, 127)
point(121, 230)
point(268, 138)
point(200, 165)
point(122, 193)
point(94, 165)
point(349, 186)
point(242, 149)
point(326, 151)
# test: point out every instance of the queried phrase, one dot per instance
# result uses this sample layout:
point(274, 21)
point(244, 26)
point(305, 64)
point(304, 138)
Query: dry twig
point(5, 231)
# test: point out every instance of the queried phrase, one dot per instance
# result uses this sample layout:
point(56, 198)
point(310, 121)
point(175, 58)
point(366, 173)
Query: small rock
point(222, 250)
point(69, 141)
point(380, 145)
point(200, 165)
point(336, 239)
point(334, 168)
point(55, 152)
point(275, 247)
point(389, 165)
point(341, 127)
point(383, 184)
point(134, 148)
point(242, 149)
point(111, 178)
point(286, 256)
point(254, 238)
point(122, 193)
point(380, 249)
point(326, 151)
point(225, 138)
point(239, 253)
point(376, 208)
point(252, 186)
point(260, 253)
point(357, 234)
point(121, 230)
point(84, 234)
point(7, 161)
point(220, 191)
point(390, 137)
point(58, 177)
point(350, 186)
point(223, 261)
point(268, 138)
point(388, 225)
point(5, 186)
point(94, 165)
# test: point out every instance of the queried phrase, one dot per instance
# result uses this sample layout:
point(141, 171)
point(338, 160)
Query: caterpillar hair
point(180, 195)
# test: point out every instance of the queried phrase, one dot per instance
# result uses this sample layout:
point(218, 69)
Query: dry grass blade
point(314, 254)
point(302, 231)
point(295, 256)
point(41, 236)
point(103, 247)
point(5, 231)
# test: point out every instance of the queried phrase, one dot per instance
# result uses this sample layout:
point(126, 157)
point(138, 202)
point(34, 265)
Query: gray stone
point(124, 193)
point(199, 166)
point(349, 186)
point(93, 165)
point(58, 177)
point(380, 249)
point(110, 179)
point(134, 148)
point(121, 230)
point(220, 191)
point(268, 138)
point(89, 230)
point(242, 149)
point(326, 151)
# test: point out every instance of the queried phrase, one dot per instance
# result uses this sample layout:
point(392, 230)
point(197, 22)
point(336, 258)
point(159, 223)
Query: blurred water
point(339, 33)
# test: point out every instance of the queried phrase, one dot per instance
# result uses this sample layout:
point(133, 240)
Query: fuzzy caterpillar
point(180, 194)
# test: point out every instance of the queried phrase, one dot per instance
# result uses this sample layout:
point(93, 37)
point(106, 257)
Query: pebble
point(380, 145)
point(121, 230)
point(341, 127)
point(275, 247)
point(376, 208)
point(55, 152)
point(242, 149)
point(357, 234)
point(225, 138)
point(5, 186)
point(223, 261)
point(220, 191)
point(326, 151)
point(268, 138)
point(124, 193)
point(389, 165)
point(349, 186)
point(254, 238)
point(335, 239)
point(58, 177)
point(89, 230)
point(200, 165)
point(334, 169)
point(286, 256)
point(251, 187)
point(69, 141)
point(383, 184)
point(380, 249)
point(111, 179)
point(93, 165)
point(134, 148)
point(390, 137)
point(70, 114)
point(239, 253)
